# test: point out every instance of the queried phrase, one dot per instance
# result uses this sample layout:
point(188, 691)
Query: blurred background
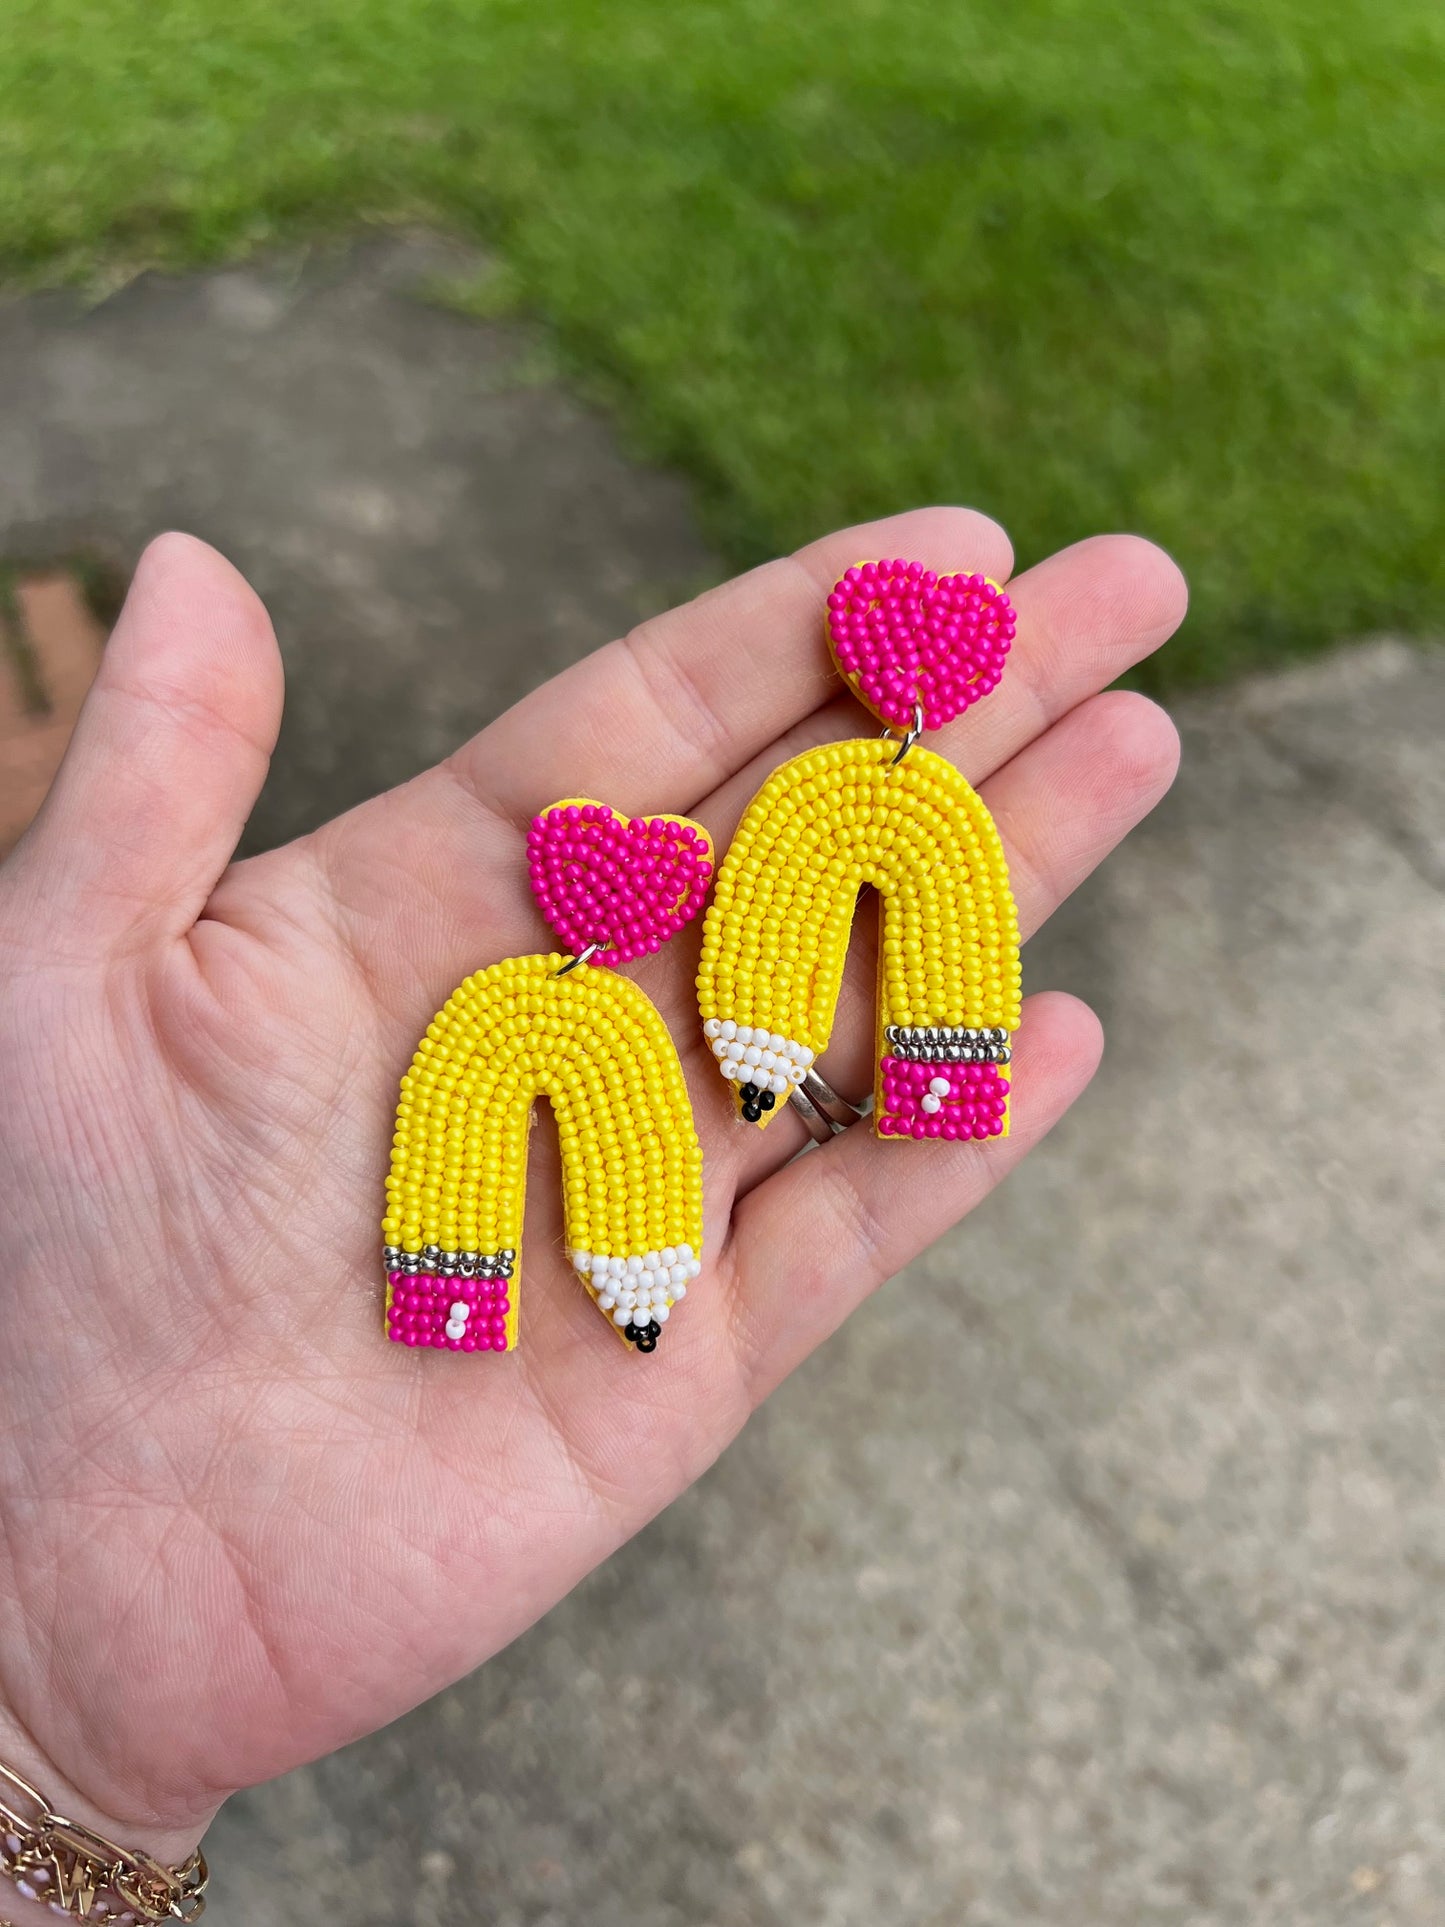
point(474, 330)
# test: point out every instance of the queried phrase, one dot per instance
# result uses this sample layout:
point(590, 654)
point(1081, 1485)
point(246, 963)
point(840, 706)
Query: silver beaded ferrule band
point(948, 1044)
point(436, 1263)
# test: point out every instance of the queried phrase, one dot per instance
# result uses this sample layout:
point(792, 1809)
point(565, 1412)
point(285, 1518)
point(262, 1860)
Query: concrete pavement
point(1121, 1605)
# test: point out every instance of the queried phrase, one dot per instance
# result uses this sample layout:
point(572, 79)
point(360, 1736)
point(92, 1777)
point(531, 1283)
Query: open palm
point(239, 1527)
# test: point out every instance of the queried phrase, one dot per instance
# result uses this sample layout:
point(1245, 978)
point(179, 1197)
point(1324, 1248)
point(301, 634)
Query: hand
point(240, 1528)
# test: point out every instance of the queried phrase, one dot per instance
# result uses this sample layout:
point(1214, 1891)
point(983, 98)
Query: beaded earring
point(570, 1029)
point(917, 648)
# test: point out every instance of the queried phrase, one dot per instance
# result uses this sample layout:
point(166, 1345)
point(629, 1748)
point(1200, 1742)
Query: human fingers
point(673, 709)
point(812, 1242)
point(168, 756)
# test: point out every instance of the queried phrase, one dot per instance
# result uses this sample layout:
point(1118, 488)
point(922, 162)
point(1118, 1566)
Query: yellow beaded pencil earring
point(571, 1029)
point(918, 648)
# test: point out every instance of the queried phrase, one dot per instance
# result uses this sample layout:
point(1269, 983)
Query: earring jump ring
point(910, 735)
point(585, 957)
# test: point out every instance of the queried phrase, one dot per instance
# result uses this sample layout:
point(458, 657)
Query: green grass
point(1177, 266)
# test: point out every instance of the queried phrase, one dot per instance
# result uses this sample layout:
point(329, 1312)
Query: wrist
point(44, 1864)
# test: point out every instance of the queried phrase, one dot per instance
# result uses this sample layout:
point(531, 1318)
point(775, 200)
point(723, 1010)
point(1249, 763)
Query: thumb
point(167, 759)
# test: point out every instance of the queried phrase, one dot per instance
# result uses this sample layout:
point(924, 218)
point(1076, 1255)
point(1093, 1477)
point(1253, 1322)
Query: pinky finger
point(816, 1238)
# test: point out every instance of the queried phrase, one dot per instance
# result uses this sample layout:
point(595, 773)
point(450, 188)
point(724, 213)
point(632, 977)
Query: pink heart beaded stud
point(918, 648)
point(568, 1028)
point(639, 879)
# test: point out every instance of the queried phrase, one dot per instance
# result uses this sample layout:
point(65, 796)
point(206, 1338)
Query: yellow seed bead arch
point(595, 1046)
point(820, 828)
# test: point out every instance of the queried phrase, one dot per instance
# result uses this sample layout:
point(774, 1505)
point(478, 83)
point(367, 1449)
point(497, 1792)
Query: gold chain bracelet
point(74, 1871)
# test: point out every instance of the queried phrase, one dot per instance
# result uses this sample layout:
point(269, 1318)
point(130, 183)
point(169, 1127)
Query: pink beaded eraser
point(940, 1098)
point(615, 886)
point(908, 641)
